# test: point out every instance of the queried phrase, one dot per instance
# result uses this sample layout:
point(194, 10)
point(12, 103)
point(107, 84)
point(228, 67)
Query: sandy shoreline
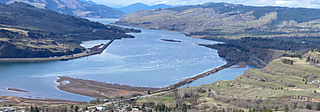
point(100, 89)
point(115, 91)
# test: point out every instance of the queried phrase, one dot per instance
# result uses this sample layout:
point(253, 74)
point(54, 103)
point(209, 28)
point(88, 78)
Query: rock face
point(232, 21)
point(26, 31)
point(73, 7)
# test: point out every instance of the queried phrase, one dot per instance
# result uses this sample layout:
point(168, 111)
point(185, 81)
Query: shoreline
point(102, 90)
point(98, 49)
point(194, 78)
point(95, 93)
point(17, 90)
point(97, 89)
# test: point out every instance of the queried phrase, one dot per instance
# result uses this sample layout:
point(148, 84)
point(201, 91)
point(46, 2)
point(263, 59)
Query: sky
point(287, 3)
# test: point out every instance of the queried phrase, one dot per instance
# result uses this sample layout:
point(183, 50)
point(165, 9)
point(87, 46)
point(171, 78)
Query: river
point(142, 61)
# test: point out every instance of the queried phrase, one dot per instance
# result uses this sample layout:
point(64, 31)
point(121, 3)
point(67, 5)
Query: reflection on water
point(143, 61)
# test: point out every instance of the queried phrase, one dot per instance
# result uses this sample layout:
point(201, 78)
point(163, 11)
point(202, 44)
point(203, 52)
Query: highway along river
point(150, 59)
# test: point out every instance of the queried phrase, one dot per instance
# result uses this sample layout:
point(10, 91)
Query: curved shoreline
point(97, 89)
point(102, 90)
point(91, 51)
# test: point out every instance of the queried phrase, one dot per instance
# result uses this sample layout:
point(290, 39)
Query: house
point(106, 100)
point(315, 82)
point(8, 110)
point(135, 110)
point(100, 108)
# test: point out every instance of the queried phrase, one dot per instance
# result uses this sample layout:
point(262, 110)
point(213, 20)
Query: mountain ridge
point(140, 6)
point(29, 32)
point(81, 8)
point(232, 21)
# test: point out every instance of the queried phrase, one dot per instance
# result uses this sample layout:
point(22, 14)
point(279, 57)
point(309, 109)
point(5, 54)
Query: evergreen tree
point(76, 109)
point(286, 108)
point(184, 107)
point(308, 106)
point(308, 59)
point(31, 109)
point(318, 106)
point(35, 109)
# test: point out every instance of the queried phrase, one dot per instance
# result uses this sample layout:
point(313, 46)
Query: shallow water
point(142, 61)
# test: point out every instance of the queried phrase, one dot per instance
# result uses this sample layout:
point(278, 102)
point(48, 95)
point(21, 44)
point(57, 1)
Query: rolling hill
point(232, 21)
point(27, 31)
point(73, 7)
point(280, 86)
point(140, 6)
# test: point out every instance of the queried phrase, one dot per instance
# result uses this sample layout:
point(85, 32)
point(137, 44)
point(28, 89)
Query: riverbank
point(192, 79)
point(98, 49)
point(17, 90)
point(100, 89)
point(115, 91)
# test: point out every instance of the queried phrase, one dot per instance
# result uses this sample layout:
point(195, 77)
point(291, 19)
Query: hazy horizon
point(285, 3)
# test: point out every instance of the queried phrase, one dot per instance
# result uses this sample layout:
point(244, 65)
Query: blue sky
point(288, 3)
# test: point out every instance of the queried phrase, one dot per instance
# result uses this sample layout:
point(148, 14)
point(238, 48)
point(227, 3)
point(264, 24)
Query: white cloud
point(283, 2)
point(287, 3)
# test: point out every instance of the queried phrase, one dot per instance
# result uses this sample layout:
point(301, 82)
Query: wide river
point(142, 61)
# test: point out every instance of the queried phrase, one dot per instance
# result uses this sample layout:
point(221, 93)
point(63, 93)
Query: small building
point(315, 82)
point(100, 108)
point(135, 110)
point(106, 100)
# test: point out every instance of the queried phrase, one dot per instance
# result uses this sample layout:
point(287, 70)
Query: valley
point(48, 34)
point(211, 57)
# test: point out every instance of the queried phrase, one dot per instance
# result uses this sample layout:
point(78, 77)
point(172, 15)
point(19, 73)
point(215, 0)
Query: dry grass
point(23, 32)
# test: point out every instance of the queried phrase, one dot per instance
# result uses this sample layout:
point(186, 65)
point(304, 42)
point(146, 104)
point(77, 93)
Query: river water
point(142, 61)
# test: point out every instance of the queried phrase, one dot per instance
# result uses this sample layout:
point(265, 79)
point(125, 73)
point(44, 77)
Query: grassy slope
point(229, 21)
point(276, 74)
point(257, 88)
point(74, 7)
point(26, 31)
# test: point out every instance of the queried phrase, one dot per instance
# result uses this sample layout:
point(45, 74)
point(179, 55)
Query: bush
point(287, 61)
point(291, 85)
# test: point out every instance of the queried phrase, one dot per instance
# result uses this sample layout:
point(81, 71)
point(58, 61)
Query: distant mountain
point(232, 21)
point(82, 8)
point(26, 31)
point(140, 6)
point(89, 2)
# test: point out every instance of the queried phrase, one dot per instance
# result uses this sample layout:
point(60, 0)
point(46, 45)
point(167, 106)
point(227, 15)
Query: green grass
point(156, 100)
point(232, 23)
point(281, 76)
